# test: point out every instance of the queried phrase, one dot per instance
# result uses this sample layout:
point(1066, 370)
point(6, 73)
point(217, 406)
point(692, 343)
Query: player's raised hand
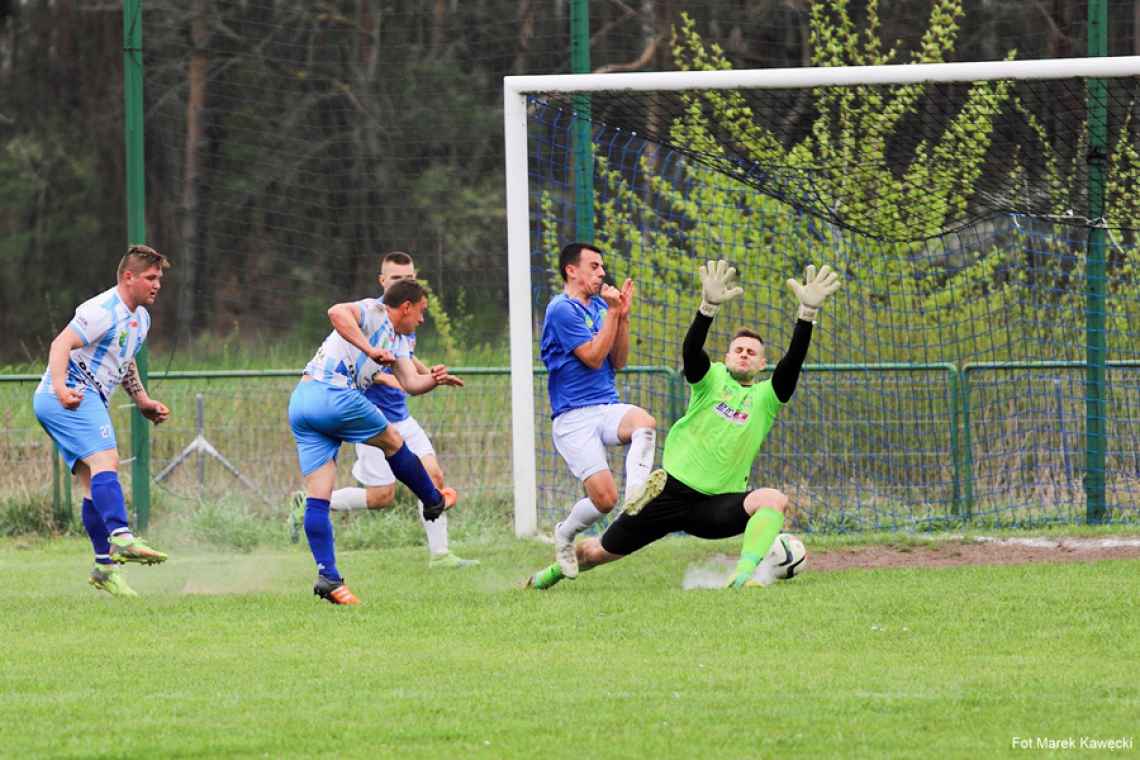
point(440, 375)
point(718, 286)
point(627, 290)
point(611, 295)
point(814, 290)
point(155, 411)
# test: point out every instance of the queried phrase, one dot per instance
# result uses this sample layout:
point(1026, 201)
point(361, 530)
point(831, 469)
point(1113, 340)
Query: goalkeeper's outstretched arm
point(696, 361)
point(811, 294)
point(718, 287)
point(787, 372)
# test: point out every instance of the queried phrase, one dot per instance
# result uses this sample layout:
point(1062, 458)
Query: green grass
point(230, 655)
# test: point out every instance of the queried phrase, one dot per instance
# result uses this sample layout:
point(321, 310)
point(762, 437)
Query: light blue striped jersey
point(338, 362)
point(112, 335)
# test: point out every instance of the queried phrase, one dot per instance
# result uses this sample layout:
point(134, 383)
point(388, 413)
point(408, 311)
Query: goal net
point(980, 362)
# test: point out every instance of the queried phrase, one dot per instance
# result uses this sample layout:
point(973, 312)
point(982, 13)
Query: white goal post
point(515, 92)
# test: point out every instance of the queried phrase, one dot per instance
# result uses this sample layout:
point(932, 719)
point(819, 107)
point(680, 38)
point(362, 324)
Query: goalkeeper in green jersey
point(709, 452)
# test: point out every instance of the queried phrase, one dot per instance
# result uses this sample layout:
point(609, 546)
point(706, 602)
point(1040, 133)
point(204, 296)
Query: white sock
point(639, 459)
point(582, 515)
point(436, 531)
point(348, 499)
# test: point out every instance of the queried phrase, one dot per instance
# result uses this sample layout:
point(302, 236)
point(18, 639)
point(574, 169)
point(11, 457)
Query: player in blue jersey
point(585, 340)
point(88, 359)
point(328, 408)
point(371, 468)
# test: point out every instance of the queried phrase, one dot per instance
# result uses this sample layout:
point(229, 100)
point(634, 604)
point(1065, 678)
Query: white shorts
point(581, 436)
point(371, 468)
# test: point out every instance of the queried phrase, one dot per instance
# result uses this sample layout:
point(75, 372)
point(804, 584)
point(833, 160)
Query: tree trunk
point(191, 306)
point(439, 26)
point(526, 32)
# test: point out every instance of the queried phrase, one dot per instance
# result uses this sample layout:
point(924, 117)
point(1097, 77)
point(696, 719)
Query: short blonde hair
point(140, 258)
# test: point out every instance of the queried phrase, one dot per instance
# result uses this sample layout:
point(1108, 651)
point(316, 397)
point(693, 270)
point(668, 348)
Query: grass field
point(231, 655)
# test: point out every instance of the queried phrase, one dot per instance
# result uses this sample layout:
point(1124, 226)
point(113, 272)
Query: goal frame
point(516, 89)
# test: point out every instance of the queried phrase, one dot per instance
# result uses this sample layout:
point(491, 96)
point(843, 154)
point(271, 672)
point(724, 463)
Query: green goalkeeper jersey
point(711, 448)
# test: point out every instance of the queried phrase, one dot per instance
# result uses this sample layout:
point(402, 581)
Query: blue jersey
point(569, 324)
point(392, 401)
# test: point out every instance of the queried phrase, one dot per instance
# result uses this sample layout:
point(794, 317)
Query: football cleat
point(334, 591)
point(127, 548)
point(296, 516)
point(652, 488)
point(450, 497)
point(450, 560)
point(108, 578)
point(565, 554)
point(545, 578)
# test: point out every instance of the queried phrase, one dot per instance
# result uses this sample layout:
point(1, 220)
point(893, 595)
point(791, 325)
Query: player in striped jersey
point(89, 358)
point(328, 408)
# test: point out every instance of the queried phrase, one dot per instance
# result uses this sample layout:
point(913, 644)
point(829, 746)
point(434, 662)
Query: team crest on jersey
point(736, 416)
point(123, 339)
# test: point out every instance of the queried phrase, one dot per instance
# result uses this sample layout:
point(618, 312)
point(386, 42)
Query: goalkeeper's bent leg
point(760, 532)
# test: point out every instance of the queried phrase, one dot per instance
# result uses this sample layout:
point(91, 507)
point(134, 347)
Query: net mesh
point(946, 378)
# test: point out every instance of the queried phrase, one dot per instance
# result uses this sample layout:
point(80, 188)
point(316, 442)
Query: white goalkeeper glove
point(814, 290)
point(718, 286)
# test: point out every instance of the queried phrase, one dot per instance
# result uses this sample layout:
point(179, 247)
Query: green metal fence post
point(967, 443)
point(955, 452)
point(136, 233)
point(583, 138)
point(1095, 442)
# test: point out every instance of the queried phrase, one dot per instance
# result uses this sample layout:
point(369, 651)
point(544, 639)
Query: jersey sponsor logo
point(735, 416)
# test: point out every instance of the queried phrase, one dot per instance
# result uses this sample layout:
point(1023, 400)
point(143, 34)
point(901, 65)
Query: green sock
point(761, 531)
point(548, 577)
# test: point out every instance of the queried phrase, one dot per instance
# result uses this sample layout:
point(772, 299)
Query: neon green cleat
point(744, 581)
point(544, 579)
point(127, 548)
point(653, 487)
point(450, 560)
point(108, 578)
point(296, 516)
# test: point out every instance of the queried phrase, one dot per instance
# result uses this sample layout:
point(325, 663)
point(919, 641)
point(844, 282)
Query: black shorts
point(678, 507)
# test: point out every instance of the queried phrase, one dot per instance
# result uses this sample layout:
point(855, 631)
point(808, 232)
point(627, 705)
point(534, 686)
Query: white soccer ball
point(787, 557)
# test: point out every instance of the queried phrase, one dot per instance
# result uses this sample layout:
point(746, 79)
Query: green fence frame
point(61, 482)
point(957, 379)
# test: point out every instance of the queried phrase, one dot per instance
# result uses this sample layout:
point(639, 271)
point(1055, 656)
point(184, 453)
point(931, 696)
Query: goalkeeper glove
point(814, 290)
point(718, 286)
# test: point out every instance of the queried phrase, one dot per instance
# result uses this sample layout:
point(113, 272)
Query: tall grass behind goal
point(949, 379)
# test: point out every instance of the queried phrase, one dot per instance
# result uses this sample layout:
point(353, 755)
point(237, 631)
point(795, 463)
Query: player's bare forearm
point(59, 355)
point(787, 372)
point(345, 319)
point(593, 352)
point(696, 361)
point(619, 354)
point(410, 380)
point(132, 383)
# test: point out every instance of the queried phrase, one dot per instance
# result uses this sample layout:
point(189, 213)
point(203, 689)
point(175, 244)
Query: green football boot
point(544, 579)
point(449, 560)
point(127, 548)
point(653, 487)
point(109, 578)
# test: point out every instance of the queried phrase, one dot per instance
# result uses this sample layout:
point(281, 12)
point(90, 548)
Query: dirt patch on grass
point(977, 551)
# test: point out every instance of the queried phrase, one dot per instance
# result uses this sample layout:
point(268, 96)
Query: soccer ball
point(787, 557)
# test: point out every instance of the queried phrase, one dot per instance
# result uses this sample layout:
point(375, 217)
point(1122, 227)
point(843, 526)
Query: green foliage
point(935, 286)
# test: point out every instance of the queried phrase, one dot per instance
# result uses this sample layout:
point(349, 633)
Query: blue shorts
point(79, 432)
point(324, 416)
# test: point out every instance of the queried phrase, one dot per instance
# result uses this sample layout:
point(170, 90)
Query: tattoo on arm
point(131, 381)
